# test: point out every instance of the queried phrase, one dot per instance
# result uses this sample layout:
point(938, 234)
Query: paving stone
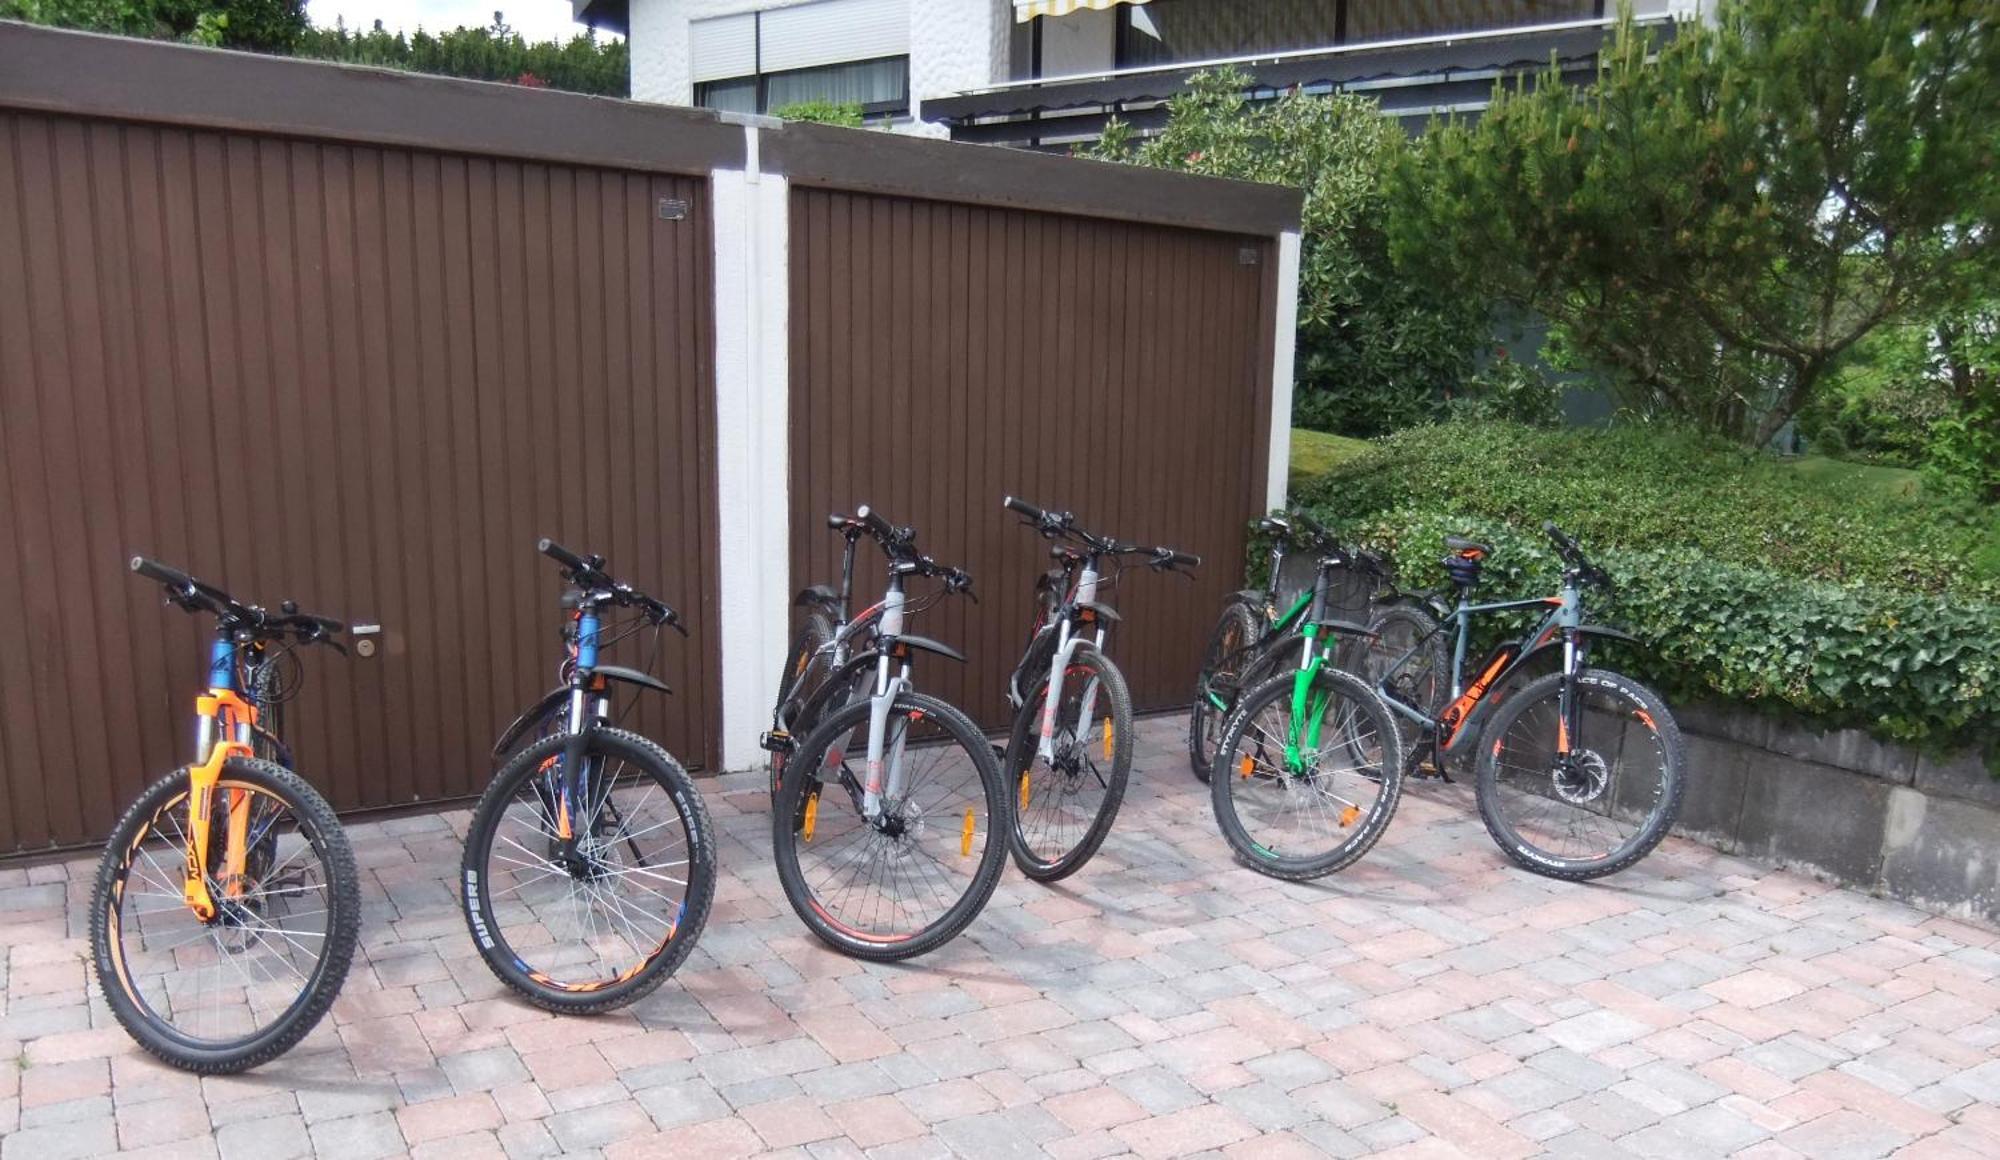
point(1165, 1001)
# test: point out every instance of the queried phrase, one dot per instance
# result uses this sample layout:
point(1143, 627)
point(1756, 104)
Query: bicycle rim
point(897, 877)
point(579, 923)
point(1059, 802)
point(1605, 800)
point(219, 986)
point(1326, 805)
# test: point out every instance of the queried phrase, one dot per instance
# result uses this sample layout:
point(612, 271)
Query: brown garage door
point(944, 356)
point(363, 378)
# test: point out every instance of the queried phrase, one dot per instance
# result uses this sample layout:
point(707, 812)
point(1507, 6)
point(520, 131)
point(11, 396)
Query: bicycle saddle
point(1471, 549)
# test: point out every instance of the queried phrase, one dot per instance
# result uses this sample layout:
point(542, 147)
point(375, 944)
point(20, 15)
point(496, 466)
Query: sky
point(533, 19)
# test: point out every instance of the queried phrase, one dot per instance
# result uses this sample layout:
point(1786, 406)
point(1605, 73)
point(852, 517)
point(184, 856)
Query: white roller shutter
point(723, 47)
point(834, 31)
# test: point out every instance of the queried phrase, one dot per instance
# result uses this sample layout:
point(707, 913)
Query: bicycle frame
point(1469, 701)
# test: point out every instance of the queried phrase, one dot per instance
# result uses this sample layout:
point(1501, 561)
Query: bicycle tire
point(1087, 662)
point(796, 684)
point(1372, 823)
point(322, 832)
point(1646, 707)
point(1235, 630)
point(476, 900)
point(1420, 682)
point(802, 782)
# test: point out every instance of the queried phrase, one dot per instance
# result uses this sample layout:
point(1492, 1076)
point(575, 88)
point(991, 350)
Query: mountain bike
point(589, 865)
point(823, 646)
point(1071, 771)
point(892, 855)
point(1585, 770)
point(1309, 765)
point(227, 903)
point(1251, 638)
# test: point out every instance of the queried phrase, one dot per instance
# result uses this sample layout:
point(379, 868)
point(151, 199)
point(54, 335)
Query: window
point(844, 51)
point(880, 87)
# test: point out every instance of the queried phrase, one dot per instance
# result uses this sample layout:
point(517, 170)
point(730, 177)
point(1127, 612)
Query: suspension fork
point(885, 753)
point(1308, 703)
point(224, 732)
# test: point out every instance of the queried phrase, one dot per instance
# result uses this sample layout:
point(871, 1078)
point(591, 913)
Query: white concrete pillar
point(1282, 363)
point(752, 463)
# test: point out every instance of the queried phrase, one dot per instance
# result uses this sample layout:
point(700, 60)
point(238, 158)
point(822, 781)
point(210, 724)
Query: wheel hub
point(1581, 777)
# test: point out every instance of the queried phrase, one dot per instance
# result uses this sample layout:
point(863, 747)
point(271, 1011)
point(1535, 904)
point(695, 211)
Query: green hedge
point(1848, 609)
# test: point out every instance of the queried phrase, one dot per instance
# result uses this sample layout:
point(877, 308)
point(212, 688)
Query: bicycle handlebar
point(194, 595)
point(1023, 507)
point(588, 572)
point(1572, 554)
point(1062, 525)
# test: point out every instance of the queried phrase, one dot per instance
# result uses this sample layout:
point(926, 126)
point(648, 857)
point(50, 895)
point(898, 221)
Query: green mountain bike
point(1309, 764)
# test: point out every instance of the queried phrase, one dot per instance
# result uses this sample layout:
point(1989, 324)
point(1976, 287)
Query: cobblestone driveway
point(1430, 1002)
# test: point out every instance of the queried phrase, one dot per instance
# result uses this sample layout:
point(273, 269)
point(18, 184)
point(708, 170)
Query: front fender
point(551, 702)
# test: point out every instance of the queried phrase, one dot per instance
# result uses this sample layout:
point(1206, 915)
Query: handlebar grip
point(154, 570)
point(874, 522)
point(1023, 507)
point(562, 555)
point(1188, 558)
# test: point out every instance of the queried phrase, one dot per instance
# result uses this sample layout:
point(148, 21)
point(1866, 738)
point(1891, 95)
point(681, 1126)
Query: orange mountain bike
point(227, 902)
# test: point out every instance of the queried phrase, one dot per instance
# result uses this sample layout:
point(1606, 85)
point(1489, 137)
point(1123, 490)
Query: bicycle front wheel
point(1310, 817)
point(910, 878)
point(1065, 803)
point(594, 928)
point(1601, 806)
point(239, 989)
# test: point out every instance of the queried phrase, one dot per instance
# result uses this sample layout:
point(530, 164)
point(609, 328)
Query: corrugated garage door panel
point(363, 378)
point(944, 356)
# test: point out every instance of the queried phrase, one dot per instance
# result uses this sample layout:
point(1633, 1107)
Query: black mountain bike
point(889, 826)
point(1581, 772)
point(589, 865)
point(823, 646)
point(1252, 639)
point(1071, 771)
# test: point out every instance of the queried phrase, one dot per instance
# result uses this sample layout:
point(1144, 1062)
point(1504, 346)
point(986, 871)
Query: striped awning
point(1026, 10)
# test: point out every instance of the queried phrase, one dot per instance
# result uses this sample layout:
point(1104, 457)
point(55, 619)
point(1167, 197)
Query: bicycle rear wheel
point(1324, 815)
point(1216, 688)
point(594, 930)
point(1605, 804)
point(805, 668)
point(240, 989)
point(909, 880)
point(1064, 809)
point(1408, 657)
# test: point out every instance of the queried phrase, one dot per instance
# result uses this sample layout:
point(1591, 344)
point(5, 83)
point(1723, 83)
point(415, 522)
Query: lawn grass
point(1315, 453)
point(1843, 476)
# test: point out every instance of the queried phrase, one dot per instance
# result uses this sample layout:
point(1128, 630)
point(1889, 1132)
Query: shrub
point(1377, 349)
point(1841, 605)
point(1660, 487)
point(1905, 666)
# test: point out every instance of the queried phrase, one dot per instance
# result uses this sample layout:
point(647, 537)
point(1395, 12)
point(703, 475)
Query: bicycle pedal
point(777, 741)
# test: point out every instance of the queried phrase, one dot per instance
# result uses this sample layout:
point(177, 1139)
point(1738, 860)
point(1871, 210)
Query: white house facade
point(1046, 73)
